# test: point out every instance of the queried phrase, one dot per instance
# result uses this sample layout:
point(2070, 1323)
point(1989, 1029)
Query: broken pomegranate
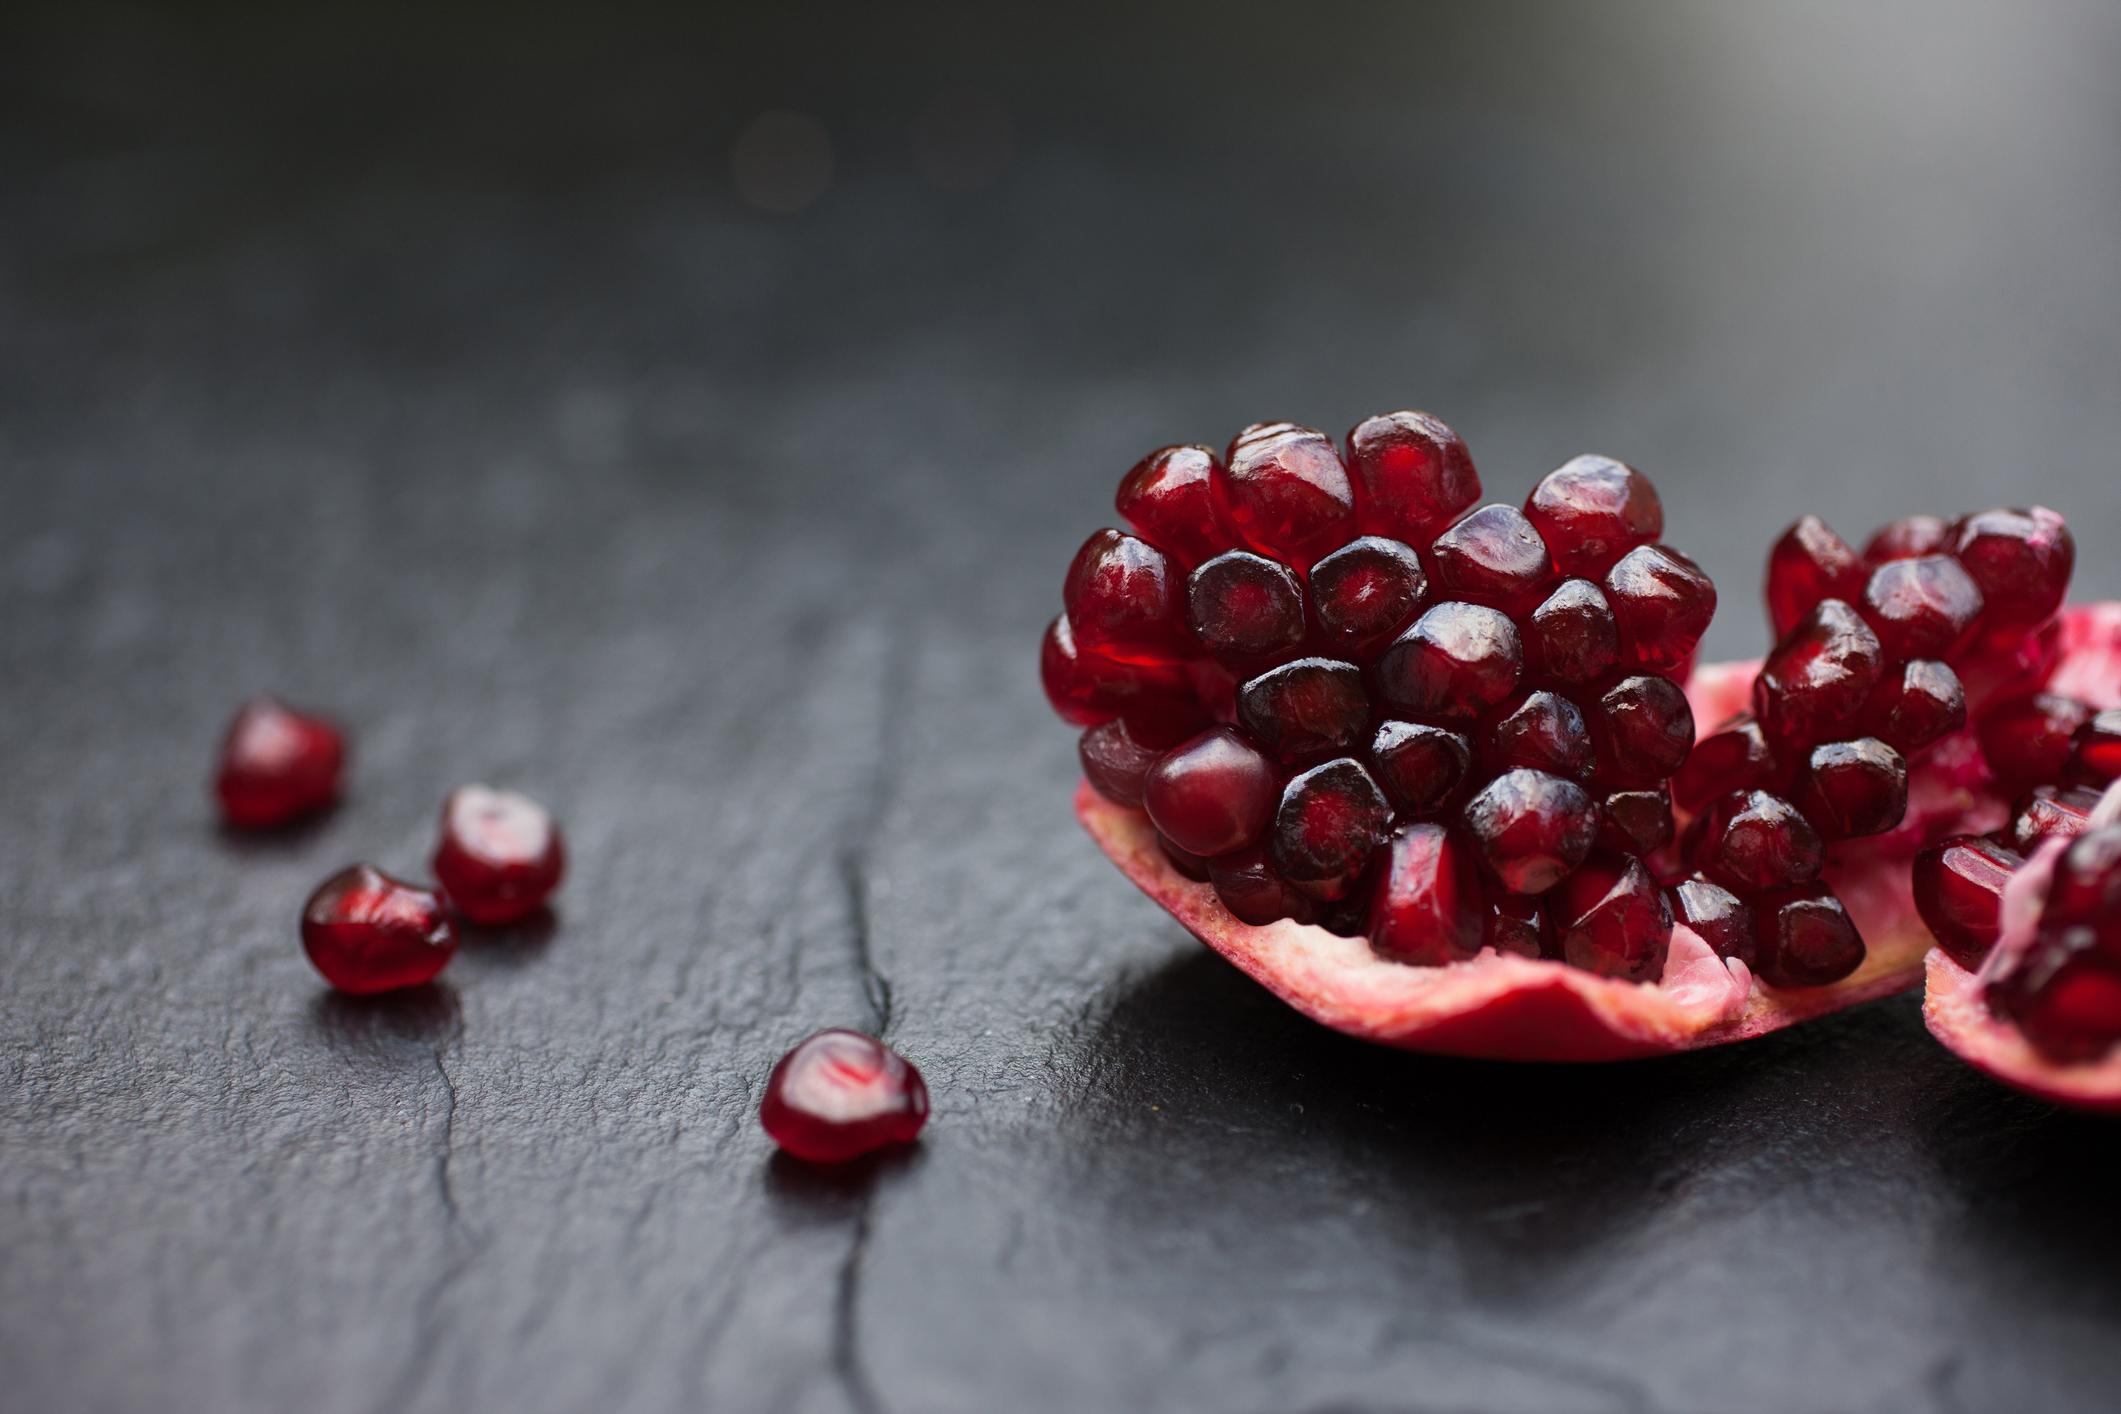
point(840, 1095)
point(367, 932)
point(277, 766)
point(499, 856)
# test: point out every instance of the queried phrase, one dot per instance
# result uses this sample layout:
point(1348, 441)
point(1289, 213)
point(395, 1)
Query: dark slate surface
point(427, 365)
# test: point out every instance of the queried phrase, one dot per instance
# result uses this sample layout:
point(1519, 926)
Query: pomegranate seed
point(2049, 812)
point(1663, 602)
point(2086, 888)
point(1914, 707)
point(1253, 893)
point(1517, 924)
point(2021, 560)
point(277, 765)
point(1248, 612)
point(2028, 740)
point(1427, 905)
point(1121, 599)
point(1573, 637)
point(1531, 829)
point(1816, 681)
point(1734, 757)
point(499, 857)
point(2096, 749)
point(1810, 563)
point(1421, 767)
point(840, 1095)
point(1543, 730)
point(1909, 538)
point(1284, 491)
point(1169, 499)
point(1331, 819)
point(1365, 594)
point(367, 932)
point(1804, 938)
point(1643, 729)
point(1087, 688)
point(1214, 689)
point(1853, 788)
point(1637, 822)
point(1751, 840)
point(1115, 762)
point(1719, 916)
point(1309, 708)
point(1211, 795)
point(1457, 662)
point(2064, 996)
point(1921, 608)
point(1415, 473)
point(1493, 557)
point(1613, 919)
point(1191, 865)
point(1592, 510)
point(1958, 886)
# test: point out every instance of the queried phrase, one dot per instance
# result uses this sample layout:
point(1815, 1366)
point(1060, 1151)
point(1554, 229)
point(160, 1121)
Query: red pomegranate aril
point(1331, 819)
point(1734, 757)
point(1958, 886)
point(1542, 730)
point(500, 855)
point(1804, 938)
point(1849, 789)
point(1212, 795)
point(1253, 893)
point(1086, 687)
point(1285, 492)
point(1115, 762)
point(1914, 706)
point(1427, 906)
point(1921, 608)
point(1456, 663)
point(1815, 683)
point(1122, 599)
point(367, 932)
point(1909, 538)
point(1808, 565)
point(2022, 562)
point(2050, 812)
point(277, 766)
point(1663, 603)
point(2095, 751)
point(1191, 865)
point(1421, 767)
point(2086, 887)
point(1309, 708)
point(1531, 829)
point(2064, 997)
point(1637, 822)
point(1364, 595)
point(1493, 557)
point(2028, 740)
point(840, 1095)
point(1572, 638)
point(1591, 510)
point(1751, 840)
point(1718, 916)
point(1169, 499)
point(1613, 919)
point(1517, 925)
point(1642, 728)
point(1415, 475)
point(1247, 611)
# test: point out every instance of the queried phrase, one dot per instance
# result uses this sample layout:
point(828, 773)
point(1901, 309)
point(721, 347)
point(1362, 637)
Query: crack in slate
point(875, 985)
point(846, 1328)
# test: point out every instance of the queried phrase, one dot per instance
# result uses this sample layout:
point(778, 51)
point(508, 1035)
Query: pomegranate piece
point(1613, 919)
point(1637, 822)
point(2049, 812)
point(1804, 938)
point(1909, 538)
point(1808, 565)
point(1643, 729)
point(1456, 663)
point(1591, 510)
point(1427, 906)
point(1285, 492)
point(1116, 762)
point(1364, 595)
point(277, 765)
point(840, 1095)
point(1915, 706)
point(1572, 638)
point(1815, 683)
point(1517, 925)
point(1415, 474)
point(1921, 608)
point(1719, 916)
point(1751, 841)
point(1493, 557)
point(1248, 886)
point(1421, 767)
point(2095, 749)
point(1087, 688)
point(1306, 709)
point(1212, 795)
point(1331, 818)
point(1734, 757)
point(1663, 603)
point(500, 855)
point(2022, 561)
point(1531, 829)
point(2028, 740)
point(1543, 730)
point(1853, 788)
point(367, 932)
point(1169, 499)
point(1247, 612)
point(1958, 887)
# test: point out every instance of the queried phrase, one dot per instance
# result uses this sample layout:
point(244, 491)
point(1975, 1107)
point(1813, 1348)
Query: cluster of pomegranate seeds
point(367, 932)
point(277, 766)
point(840, 1095)
point(1346, 693)
point(2064, 991)
point(499, 857)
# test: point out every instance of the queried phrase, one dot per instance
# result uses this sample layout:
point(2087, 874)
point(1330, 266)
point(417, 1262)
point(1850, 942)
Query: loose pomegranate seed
point(1572, 638)
point(1121, 599)
point(1169, 499)
point(1921, 608)
point(1637, 822)
point(1365, 594)
point(1087, 688)
point(1734, 757)
point(1421, 767)
point(1814, 685)
point(1592, 510)
point(1719, 916)
point(1457, 662)
point(840, 1095)
point(1909, 538)
point(1914, 706)
point(2050, 812)
point(367, 932)
point(1958, 886)
point(1543, 730)
point(1415, 473)
point(1663, 603)
point(1531, 829)
point(1212, 795)
point(1427, 906)
point(1248, 612)
point(1804, 938)
point(1853, 788)
point(1306, 709)
point(1810, 563)
point(2028, 740)
point(1517, 924)
point(1643, 729)
point(500, 855)
point(1330, 820)
point(2021, 560)
point(277, 765)
point(1493, 557)
point(1248, 887)
point(2064, 996)
point(1285, 492)
point(1613, 919)
point(1751, 840)
point(1115, 762)
point(2096, 749)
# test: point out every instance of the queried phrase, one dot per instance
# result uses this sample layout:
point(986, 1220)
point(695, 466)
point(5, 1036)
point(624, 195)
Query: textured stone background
point(427, 363)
